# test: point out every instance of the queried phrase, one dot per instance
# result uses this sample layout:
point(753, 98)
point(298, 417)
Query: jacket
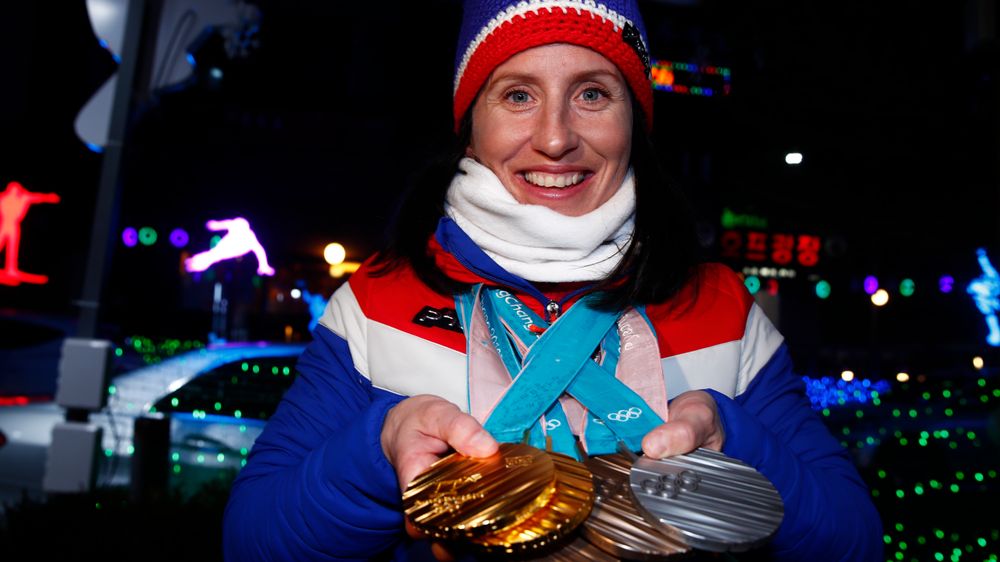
point(317, 485)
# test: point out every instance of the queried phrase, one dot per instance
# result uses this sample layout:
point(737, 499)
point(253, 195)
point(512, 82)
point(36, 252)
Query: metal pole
point(110, 182)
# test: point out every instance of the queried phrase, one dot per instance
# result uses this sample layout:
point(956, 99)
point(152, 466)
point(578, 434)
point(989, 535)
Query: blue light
point(95, 147)
point(190, 59)
point(985, 291)
point(946, 283)
point(871, 284)
point(827, 392)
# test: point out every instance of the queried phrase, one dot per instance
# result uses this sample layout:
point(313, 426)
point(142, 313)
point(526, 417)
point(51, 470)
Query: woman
point(552, 198)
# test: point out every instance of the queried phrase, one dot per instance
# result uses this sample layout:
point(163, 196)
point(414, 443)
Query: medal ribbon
point(506, 340)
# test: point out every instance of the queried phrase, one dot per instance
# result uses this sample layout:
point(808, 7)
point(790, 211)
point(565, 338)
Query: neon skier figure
point(985, 290)
point(239, 240)
point(317, 305)
point(14, 204)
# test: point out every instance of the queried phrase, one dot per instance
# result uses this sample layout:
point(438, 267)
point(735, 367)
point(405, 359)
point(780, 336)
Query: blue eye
point(518, 97)
point(592, 95)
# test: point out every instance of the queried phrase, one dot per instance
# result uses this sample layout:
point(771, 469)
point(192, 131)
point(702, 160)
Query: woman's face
point(554, 123)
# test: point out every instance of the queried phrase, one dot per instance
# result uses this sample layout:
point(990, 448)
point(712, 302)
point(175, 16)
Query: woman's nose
point(555, 134)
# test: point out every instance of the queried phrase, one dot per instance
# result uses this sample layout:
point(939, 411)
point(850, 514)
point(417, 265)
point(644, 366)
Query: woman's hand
point(420, 429)
point(693, 421)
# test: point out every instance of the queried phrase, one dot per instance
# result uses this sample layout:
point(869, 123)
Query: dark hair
point(657, 263)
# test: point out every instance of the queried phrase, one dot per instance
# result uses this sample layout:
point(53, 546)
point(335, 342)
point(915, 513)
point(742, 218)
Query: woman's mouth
point(559, 181)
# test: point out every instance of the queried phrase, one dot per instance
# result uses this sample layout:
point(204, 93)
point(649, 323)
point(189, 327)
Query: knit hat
point(494, 30)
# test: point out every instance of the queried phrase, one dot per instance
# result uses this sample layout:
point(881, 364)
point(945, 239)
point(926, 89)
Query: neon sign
point(781, 249)
point(239, 240)
point(14, 203)
point(985, 290)
point(687, 78)
point(317, 305)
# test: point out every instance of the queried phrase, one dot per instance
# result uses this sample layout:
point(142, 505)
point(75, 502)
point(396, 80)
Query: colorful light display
point(985, 291)
point(777, 248)
point(14, 204)
point(239, 240)
point(691, 79)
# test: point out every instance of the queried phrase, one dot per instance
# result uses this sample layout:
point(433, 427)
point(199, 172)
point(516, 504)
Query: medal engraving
point(463, 497)
point(616, 525)
point(716, 502)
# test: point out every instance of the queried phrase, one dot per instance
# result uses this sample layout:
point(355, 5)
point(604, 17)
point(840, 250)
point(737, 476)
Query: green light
point(243, 451)
point(274, 370)
point(130, 449)
point(286, 371)
point(960, 475)
point(245, 366)
point(939, 533)
point(256, 369)
point(938, 556)
point(881, 473)
point(147, 236)
point(220, 457)
point(243, 429)
point(214, 240)
point(119, 352)
point(952, 445)
point(899, 527)
point(992, 473)
point(906, 287)
point(870, 440)
point(234, 380)
point(913, 413)
point(926, 395)
point(112, 390)
point(996, 393)
point(177, 469)
point(946, 393)
point(174, 401)
point(152, 409)
point(886, 539)
point(919, 490)
point(899, 556)
point(971, 435)
point(948, 412)
point(108, 452)
point(904, 441)
point(902, 545)
point(935, 484)
point(921, 540)
point(978, 476)
point(826, 412)
point(97, 505)
point(846, 431)
point(175, 457)
point(981, 382)
point(859, 414)
point(981, 542)
point(876, 401)
point(218, 406)
point(201, 458)
point(900, 494)
point(944, 433)
point(896, 413)
point(954, 488)
point(823, 289)
point(752, 283)
point(237, 414)
point(243, 462)
point(984, 399)
point(923, 442)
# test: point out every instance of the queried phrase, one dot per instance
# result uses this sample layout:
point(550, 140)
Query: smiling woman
point(541, 286)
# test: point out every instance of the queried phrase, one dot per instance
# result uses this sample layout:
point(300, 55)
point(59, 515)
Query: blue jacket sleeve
point(316, 485)
point(829, 514)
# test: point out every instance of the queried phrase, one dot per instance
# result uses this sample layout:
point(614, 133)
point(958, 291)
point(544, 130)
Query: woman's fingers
point(421, 428)
point(694, 422)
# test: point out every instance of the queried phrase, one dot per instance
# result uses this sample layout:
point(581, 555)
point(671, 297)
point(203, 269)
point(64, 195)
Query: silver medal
point(616, 524)
point(717, 503)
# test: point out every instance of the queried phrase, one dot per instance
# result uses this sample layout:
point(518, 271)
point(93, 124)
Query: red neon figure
point(239, 240)
point(14, 203)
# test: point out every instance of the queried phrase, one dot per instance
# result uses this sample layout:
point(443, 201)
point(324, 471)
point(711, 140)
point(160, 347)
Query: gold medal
point(565, 510)
point(464, 497)
point(616, 525)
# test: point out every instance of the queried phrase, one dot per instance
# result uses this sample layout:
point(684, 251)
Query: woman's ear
point(470, 152)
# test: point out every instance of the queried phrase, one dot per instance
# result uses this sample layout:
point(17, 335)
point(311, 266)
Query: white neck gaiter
point(533, 241)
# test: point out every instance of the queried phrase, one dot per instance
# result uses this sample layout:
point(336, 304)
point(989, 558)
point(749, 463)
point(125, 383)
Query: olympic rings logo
point(632, 413)
point(551, 425)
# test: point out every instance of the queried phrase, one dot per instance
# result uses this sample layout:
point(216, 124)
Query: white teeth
point(553, 180)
